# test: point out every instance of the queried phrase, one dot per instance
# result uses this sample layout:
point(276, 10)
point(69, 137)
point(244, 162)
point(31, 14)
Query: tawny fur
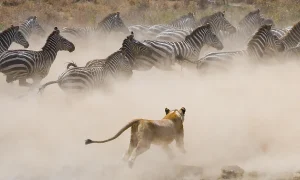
point(145, 132)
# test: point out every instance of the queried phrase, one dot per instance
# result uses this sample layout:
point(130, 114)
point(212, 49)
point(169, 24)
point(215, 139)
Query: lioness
point(146, 132)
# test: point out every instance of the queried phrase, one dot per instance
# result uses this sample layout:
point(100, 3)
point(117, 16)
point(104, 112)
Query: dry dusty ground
point(248, 117)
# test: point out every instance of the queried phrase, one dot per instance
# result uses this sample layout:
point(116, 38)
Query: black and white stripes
point(10, 35)
point(256, 48)
point(118, 66)
point(167, 53)
point(30, 25)
point(23, 64)
point(111, 23)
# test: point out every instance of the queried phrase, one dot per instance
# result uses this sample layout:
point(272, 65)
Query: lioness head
point(175, 114)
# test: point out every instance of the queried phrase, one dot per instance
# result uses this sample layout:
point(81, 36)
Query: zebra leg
point(24, 83)
point(9, 79)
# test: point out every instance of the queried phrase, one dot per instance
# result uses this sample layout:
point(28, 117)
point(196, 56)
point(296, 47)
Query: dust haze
point(246, 116)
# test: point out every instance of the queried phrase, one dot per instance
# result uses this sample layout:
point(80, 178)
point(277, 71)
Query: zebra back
point(30, 25)
point(9, 35)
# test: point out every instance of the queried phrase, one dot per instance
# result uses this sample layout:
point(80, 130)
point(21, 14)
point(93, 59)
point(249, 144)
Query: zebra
point(10, 35)
point(111, 23)
point(185, 22)
point(117, 66)
point(256, 47)
point(245, 29)
point(29, 25)
point(167, 53)
point(23, 64)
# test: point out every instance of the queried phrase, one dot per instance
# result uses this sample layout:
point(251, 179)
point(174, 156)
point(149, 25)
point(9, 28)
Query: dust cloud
point(246, 116)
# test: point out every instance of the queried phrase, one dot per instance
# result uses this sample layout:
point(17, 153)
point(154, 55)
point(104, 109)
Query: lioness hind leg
point(133, 143)
point(169, 152)
point(140, 149)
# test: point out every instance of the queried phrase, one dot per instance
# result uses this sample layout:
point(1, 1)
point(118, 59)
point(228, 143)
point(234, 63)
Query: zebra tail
point(71, 64)
point(42, 88)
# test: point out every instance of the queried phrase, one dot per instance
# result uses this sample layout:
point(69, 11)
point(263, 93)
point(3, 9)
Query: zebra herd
point(160, 46)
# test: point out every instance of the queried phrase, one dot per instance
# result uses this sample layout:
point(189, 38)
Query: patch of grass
point(88, 12)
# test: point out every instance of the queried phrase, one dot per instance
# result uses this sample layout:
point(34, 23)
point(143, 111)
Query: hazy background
point(247, 116)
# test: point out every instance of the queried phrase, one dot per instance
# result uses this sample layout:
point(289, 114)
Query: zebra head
point(185, 21)
point(59, 42)
point(274, 44)
point(18, 36)
point(218, 23)
point(32, 24)
point(133, 48)
point(262, 40)
point(251, 22)
point(200, 36)
point(113, 23)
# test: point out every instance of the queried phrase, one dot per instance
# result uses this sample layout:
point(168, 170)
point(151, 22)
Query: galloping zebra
point(111, 23)
point(9, 35)
point(246, 28)
point(185, 22)
point(167, 53)
point(217, 21)
point(30, 25)
point(256, 47)
point(23, 64)
point(117, 66)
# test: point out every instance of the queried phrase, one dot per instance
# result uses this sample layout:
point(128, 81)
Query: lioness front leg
point(180, 144)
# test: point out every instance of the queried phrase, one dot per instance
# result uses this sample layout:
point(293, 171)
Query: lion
point(145, 132)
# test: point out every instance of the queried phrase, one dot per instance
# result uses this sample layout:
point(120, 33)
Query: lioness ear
point(167, 111)
point(183, 110)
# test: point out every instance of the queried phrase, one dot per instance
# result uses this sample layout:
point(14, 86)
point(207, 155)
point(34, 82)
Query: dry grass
point(88, 12)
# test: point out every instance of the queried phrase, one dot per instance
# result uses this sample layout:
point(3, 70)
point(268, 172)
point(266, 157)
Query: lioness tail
point(128, 125)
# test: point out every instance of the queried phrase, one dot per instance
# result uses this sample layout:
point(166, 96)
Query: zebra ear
point(118, 14)
point(34, 17)
point(223, 13)
point(207, 25)
point(167, 110)
point(56, 29)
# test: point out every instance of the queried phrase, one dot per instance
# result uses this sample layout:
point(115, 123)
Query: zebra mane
point(31, 18)
point(254, 40)
point(205, 19)
point(54, 32)
point(200, 28)
point(109, 16)
point(9, 29)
